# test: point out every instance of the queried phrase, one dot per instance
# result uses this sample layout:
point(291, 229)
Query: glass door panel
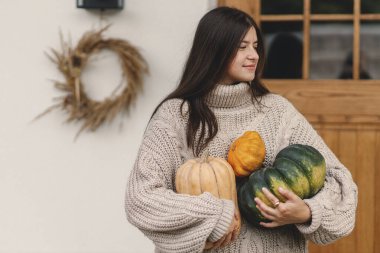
point(331, 45)
point(370, 6)
point(332, 6)
point(370, 50)
point(282, 7)
point(284, 50)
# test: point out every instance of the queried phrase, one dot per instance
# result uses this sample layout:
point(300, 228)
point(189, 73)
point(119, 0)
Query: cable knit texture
point(183, 223)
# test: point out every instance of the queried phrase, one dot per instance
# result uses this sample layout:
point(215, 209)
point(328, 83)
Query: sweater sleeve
point(333, 208)
point(174, 222)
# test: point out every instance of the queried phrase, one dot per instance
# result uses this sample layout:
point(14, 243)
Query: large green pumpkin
point(299, 168)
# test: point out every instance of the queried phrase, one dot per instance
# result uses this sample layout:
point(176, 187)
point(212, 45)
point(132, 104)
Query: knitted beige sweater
point(182, 223)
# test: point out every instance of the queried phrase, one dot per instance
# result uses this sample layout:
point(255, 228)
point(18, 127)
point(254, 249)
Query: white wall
point(57, 195)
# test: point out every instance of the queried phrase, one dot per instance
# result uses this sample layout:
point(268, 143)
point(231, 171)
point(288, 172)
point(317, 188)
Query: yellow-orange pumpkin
point(208, 174)
point(247, 153)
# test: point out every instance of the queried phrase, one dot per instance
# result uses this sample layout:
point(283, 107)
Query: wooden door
point(346, 113)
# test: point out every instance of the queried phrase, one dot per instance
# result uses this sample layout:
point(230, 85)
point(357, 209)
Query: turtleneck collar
point(232, 95)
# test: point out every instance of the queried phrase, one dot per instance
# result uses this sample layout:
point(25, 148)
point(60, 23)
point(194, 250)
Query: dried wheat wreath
point(72, 61)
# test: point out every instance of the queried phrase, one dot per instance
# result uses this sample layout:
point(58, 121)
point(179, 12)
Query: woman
point(219, 97)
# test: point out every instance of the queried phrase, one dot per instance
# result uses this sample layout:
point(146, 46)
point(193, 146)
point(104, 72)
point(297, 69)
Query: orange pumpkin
point(208, 174)
point(247, 153)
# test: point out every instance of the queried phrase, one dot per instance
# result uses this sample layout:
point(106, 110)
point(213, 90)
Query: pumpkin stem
point(205, 156)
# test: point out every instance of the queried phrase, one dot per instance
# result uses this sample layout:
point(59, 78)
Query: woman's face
point(244, 64)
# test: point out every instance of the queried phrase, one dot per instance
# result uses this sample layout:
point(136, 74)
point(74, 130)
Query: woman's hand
point(231, 234)
point(293, 211)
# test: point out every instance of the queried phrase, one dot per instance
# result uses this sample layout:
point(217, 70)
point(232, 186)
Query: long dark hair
point(216, 41)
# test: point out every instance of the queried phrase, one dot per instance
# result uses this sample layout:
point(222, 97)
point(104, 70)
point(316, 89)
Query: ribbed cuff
point(316, 217)
point(224, 221)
